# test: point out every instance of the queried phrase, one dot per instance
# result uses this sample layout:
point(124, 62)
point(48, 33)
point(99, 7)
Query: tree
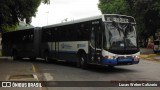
point(14, 11)
point(146, 13)
point(113, 6)
point(147, 17)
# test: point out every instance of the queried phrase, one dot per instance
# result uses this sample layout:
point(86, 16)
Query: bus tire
point(110, 67)
point(32, 58)
point(14, 55)
point(46, 57)
point(82, 63)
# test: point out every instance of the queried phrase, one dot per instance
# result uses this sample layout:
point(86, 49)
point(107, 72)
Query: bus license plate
point(124, 60)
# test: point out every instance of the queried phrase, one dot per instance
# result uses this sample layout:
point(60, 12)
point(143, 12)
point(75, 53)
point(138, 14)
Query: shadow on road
point(4, 59)
point(93, 68)
point(106, 69)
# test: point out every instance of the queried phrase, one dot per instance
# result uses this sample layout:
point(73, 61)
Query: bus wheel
point(46, 58)
point(32, 58)
point(14, 55)
point(110, 67)
point(82, 63)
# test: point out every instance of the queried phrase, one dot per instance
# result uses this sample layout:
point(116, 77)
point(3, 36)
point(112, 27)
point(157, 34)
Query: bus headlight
point(136, 58)
point(110, 57)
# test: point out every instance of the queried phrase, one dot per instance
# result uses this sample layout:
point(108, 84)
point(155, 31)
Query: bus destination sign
point(119, 19)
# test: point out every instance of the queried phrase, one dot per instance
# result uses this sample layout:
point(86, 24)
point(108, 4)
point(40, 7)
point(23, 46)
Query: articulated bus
point(108, 39)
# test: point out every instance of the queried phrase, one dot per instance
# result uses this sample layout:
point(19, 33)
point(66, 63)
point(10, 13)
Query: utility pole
point(47, 16)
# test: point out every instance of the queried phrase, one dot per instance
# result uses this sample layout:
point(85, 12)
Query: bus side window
point(93, 37)
point(82, 31)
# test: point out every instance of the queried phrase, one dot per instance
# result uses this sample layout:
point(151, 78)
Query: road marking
point(48, 77)
point(33, 68)
point(35, 76)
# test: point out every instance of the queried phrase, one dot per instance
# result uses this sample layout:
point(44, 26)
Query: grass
point(150, 57)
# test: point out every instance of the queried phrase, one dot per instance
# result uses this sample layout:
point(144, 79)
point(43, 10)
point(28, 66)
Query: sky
point(58, 10)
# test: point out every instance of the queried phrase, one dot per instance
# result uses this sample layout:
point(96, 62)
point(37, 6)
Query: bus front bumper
point(125, 61)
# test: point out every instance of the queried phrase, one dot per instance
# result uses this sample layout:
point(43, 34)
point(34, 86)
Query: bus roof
point(75, 21)
point(86, 19)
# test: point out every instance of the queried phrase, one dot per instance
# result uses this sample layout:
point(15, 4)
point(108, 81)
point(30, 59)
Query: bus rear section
point(21, 43)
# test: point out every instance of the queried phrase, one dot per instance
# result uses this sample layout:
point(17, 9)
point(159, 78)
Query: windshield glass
point(120, 36)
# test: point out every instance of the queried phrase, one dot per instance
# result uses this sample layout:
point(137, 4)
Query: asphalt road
point(60, 71)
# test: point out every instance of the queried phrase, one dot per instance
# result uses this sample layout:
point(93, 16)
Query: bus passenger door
point(95, 45)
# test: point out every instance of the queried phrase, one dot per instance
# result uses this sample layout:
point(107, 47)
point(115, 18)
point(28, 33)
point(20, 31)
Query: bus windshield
point(120, 36)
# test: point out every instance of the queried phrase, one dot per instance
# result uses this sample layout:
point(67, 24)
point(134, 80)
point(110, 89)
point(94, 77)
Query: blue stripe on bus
point(109, 61)
point(106, 61)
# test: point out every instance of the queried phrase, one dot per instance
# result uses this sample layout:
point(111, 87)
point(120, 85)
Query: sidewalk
point(18, 75)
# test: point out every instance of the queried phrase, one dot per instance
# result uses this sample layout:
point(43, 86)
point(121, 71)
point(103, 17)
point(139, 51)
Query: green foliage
point(146, 13)
point(9, 28)
point(14, 11)
point(113, 6)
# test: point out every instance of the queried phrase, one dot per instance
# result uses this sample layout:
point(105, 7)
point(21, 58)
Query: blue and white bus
point(108, 39)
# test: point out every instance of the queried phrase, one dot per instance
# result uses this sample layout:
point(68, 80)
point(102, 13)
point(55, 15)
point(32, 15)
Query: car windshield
point(120, 36)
